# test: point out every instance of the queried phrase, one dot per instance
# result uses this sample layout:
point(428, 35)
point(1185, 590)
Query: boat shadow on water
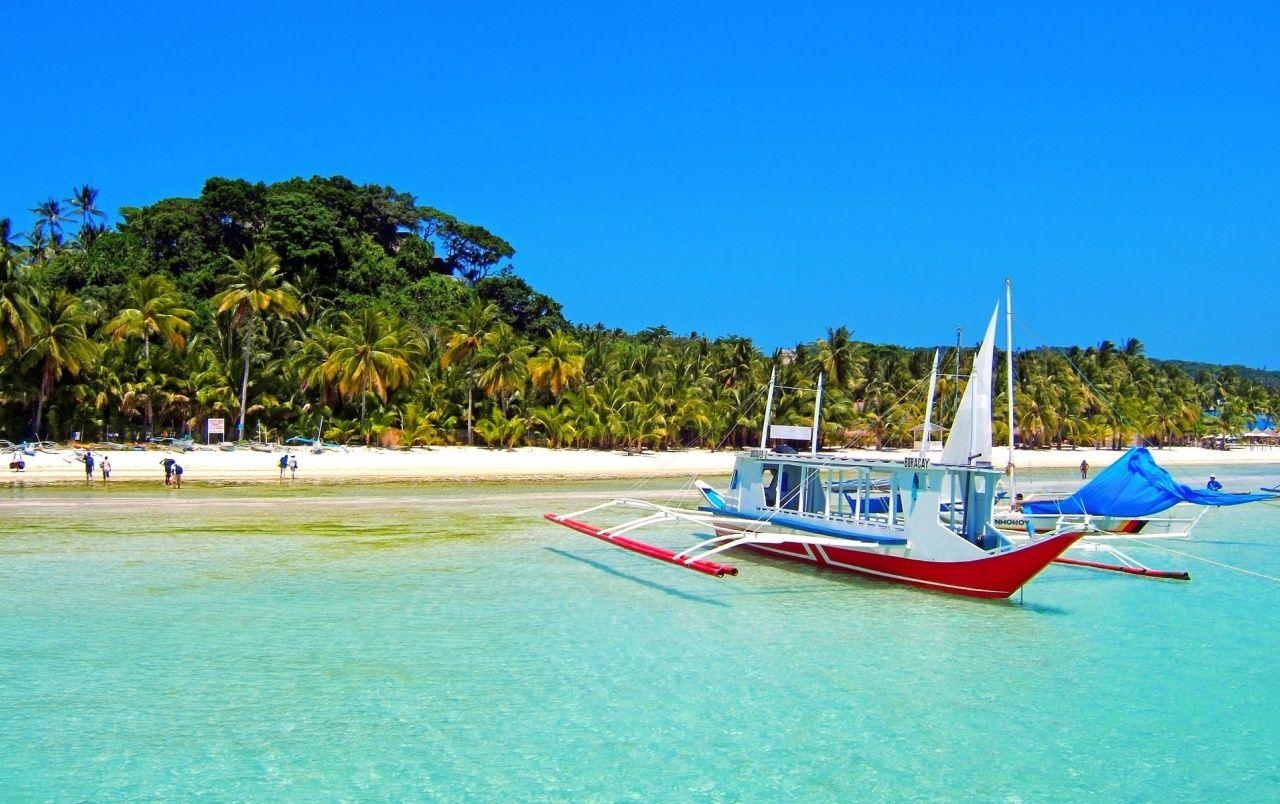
point(667, 590)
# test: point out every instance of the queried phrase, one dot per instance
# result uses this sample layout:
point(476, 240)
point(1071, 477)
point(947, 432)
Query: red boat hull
point(993, 575)
point(996, 575)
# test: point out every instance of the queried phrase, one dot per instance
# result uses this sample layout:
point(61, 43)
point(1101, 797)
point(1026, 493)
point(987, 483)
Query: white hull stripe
point(827, 561)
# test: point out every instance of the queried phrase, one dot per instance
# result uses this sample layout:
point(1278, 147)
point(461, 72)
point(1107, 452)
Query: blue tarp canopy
point(1135, 486)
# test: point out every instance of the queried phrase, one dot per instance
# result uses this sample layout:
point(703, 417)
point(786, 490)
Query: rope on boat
point(752, 402)
point(1233, 568)
point(687, 485)
point(1097, 394)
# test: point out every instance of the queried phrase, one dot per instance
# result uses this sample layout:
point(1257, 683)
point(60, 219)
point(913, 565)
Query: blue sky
point(738, 168)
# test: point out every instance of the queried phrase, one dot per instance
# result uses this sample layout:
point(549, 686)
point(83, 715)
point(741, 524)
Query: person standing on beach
point(88, 466)
point(284, 464)
point(167, 463)
point(293, 467)
point(1084, 470)
point(106, 469)
point(177, 475)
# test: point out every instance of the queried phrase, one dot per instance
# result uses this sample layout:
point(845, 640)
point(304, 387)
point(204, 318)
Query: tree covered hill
point(281, 306)
point(1260, 376)
point(346, 244)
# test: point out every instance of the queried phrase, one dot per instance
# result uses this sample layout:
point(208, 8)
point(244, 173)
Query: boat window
point(814, 500)
point(789, 487)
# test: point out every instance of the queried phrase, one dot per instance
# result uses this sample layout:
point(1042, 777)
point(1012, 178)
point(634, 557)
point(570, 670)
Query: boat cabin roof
point(912, 463)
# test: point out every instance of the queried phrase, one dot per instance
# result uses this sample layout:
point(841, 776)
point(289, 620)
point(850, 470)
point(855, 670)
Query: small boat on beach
point(912, 520)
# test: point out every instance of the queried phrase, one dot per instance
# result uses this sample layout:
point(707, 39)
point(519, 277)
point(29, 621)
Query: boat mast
point(928, 407)
point(973, 420)
point(768, 410)
point(959, 377)
point(817, 413)
point(1008, 334)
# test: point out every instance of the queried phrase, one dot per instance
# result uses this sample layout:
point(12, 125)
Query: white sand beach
point(455, 464)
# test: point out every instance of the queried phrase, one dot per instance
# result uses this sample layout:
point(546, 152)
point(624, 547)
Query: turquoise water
point(447, 643)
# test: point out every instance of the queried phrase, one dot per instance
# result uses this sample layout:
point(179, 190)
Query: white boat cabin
point(862, 497)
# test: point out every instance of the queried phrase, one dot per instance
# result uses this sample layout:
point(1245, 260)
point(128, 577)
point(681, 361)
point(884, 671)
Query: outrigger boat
point(1118, 505)
point(1121, 503)
point(918, 521)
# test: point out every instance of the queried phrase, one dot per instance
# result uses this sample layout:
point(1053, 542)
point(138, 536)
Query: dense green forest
point(319, 303)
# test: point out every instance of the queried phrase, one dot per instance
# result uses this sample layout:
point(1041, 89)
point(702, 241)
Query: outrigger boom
point(616, 536)
point(1146, 572)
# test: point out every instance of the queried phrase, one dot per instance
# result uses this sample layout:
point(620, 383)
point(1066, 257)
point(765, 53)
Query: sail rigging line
point(1223, 565)
point(753, 401)
point(687, 486)
point(909, 392)
point(1097, 392)
point(768, 520)
point(898, 402)
point(1084, 378)
point(1008, 338)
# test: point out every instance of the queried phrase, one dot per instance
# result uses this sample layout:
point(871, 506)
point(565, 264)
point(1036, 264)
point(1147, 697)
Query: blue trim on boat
point(808, 527)
point(712, 496)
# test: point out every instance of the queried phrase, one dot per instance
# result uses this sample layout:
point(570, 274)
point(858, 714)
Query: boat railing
point(863, 517)
point(1160, 527)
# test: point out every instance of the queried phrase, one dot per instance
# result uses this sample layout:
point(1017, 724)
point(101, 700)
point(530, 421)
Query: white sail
point(970, 437)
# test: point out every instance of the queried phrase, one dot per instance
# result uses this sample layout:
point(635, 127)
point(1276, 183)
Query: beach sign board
point(215, 426)
point(788, 432)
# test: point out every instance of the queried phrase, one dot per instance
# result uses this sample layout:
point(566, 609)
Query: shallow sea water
point(437, 642)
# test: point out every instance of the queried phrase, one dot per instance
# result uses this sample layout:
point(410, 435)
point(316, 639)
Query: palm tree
point(498, 430)
point(503, 362)
point(736, 417)
point(372, 353)
point(50, 215)
point(84, 202)
point(557, 365)
point(157, 310)
point(207, 385)
point(7, 246)
point(418, 426)
point(59, 343)
point(252, 291)
point(638, 422)
point(687, 412)
point(39, 248)
point(737, 359)
point(840, 358)
point(557, 423)
point(462, 340)
point(16, 315)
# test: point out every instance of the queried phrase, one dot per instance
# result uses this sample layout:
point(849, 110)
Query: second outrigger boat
point(1118, 506)
point(1122, 501)
point(916, 520)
